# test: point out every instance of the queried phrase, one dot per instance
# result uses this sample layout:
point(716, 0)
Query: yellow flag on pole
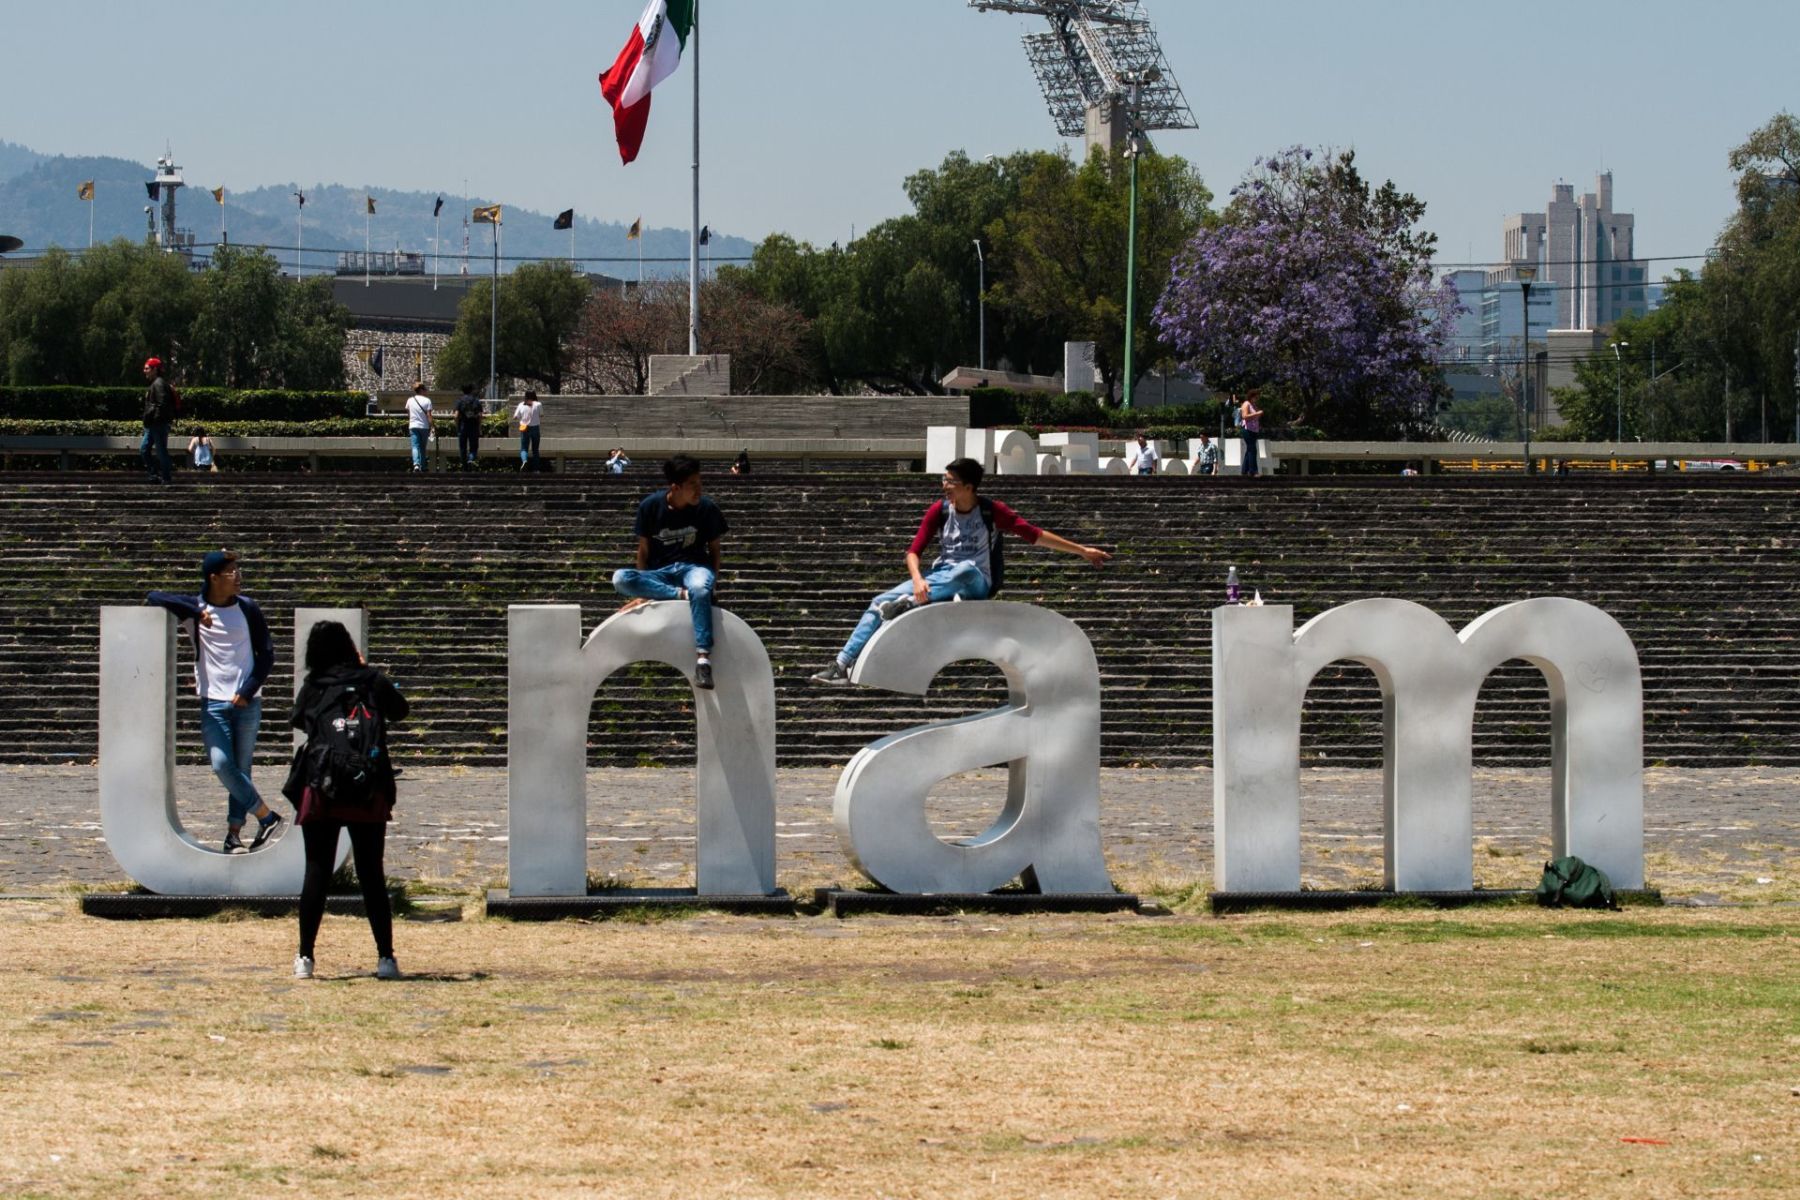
point(85, 191)
point(637, 230)
point(489, 215)
point(219, 193)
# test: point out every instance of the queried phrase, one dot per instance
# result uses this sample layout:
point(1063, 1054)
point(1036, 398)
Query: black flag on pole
point(565, 219)
point(152, 189)
point(438, 207)
point(375, 362)
point(705, 235)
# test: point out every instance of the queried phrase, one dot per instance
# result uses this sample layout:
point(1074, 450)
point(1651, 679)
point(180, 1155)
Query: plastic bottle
point(1231, 585)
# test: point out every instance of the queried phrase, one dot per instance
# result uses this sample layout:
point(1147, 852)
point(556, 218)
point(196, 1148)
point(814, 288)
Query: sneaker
point(894, 608)
point(386, 968)
point(833, 673)
point(703, 676)
point(233, 843)
point(266, 829)
point(303, 967)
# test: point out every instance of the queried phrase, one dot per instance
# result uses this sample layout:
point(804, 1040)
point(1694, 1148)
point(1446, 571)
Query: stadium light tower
point(1104, 78)
point(1087, 60)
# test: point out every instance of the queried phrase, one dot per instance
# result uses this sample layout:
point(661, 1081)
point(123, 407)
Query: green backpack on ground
point(1571, 883)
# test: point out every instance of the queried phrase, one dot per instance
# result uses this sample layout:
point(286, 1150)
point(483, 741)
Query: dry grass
point(1395, 1053)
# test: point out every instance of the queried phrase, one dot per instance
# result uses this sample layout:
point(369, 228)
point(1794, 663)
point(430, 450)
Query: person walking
point(678, 531)
point(1142, 458)
point(1208, 456)
point(418, 424)
point(343, 780)
point(529, 417)
point(468, 428)
point(1251, 416)
point(159, 410)
point(971, 561)
point(233, 655)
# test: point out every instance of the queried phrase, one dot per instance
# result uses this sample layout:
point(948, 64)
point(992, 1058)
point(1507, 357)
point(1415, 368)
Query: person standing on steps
point(1142, 458)
point(200, 452)
point(343, 780)
point(678, 531)
point(233, 655)
point(418, 424)
point(468, 428)
point(616, 462)
point(971, 561)
point(529, 417)
point(159, 410)
point(1208, 456)
point(1251, 417)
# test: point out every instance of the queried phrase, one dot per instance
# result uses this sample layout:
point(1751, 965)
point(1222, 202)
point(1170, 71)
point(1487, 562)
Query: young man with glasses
point(678, 531)
point(970, 564)
point(233, 655)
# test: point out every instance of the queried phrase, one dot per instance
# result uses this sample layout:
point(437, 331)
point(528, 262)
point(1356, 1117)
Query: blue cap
point(214, 562)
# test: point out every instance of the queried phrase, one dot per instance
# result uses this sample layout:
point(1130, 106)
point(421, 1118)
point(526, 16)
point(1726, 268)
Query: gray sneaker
point(894, 608)
point(834, 672)
point(387, 968)
point(303, 967)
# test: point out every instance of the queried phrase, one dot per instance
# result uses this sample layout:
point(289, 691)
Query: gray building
point(1583, 248)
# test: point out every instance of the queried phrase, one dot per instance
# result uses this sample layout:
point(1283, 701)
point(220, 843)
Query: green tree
point(540, 308)
point(256, 329)
point(95, 320)
point(1060, 249)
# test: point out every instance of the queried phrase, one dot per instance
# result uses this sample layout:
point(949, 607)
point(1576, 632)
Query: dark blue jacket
point(262, 646)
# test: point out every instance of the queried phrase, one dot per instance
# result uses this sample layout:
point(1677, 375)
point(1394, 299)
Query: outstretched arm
point(1093, 554)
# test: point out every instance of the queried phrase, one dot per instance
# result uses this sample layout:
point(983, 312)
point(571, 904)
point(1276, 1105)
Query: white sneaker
point(387, 968)
point(303, 967)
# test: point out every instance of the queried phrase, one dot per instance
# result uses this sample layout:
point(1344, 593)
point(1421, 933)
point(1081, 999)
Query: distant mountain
point(38, 202)
point(15, 160)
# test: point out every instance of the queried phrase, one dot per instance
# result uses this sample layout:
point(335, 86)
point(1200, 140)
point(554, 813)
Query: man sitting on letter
point(970, 564)
point(678, 531)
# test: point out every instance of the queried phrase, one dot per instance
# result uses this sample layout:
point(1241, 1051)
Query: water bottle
point(1231, 585)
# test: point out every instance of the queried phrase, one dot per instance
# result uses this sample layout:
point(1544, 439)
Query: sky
point(813, 112)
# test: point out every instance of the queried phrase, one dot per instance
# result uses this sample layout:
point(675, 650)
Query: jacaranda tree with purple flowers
point(1318, 291)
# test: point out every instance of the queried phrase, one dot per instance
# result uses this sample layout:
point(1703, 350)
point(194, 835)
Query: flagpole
point(221, 216)
point(694, 236)
point(90, 222)
point(437, 229)
point(494, 316)
point(365, 241)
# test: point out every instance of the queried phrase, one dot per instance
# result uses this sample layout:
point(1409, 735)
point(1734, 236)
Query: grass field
point(1507, 1053)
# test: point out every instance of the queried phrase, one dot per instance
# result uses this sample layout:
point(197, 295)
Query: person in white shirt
point(418, 424)
point(233, 655)
point(616, 462)
point(1141, 459)
point(528, 417)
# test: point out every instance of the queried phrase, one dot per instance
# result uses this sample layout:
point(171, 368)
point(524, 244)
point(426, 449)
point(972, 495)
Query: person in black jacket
point(159, 410)
point(233, 655)
point(340, 688)
point(468, 427)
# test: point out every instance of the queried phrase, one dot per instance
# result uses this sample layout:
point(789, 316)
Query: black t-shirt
point(468, 413)
point(679, 535)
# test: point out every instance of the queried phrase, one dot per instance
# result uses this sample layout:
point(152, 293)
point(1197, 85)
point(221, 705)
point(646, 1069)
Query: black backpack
point(996, 546)
point(346, 745)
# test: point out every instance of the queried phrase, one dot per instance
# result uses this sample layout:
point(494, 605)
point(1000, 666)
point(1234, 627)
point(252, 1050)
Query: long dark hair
point(330, 645)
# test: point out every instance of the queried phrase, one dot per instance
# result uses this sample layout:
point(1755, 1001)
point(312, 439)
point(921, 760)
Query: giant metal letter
point(1048, 735)
point(137, 766)
point(551, 681)
point(1430, 677)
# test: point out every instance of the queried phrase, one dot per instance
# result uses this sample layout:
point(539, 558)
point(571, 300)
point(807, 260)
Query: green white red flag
point(651, 54)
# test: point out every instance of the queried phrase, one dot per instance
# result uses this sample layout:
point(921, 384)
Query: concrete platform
point(147, 906)
point(612, 902)
point(845, 902)
point(1332, 901)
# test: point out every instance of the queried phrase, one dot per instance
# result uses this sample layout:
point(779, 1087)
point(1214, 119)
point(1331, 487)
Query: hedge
point(994, 408)
point(211, 404)
point(496, 426)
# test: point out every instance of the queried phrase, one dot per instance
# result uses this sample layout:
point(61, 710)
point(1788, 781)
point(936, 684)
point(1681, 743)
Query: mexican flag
point(651, 54)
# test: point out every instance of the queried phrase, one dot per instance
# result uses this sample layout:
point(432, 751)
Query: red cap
point(153, 364)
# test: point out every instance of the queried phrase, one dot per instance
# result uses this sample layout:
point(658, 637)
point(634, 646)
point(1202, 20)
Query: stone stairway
point(1704, 574)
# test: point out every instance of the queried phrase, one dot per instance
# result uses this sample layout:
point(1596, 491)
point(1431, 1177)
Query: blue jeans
point(661, 584)
point(154, 450)
point(420, 438)
point(528, 444)
point(229, 733)
point(946, 583)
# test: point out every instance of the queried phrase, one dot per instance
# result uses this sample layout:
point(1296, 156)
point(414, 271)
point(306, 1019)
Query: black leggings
point(367, 839)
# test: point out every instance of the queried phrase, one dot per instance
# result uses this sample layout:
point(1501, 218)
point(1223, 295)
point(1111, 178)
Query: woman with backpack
point(342, 779)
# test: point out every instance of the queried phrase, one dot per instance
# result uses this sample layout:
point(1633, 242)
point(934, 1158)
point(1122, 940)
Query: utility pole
point(1797, 385)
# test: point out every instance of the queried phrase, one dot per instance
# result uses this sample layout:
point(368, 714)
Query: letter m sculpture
point(1430, 677)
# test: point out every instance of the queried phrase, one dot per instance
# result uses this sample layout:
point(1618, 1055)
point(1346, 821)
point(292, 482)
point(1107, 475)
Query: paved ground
point(1708, 833)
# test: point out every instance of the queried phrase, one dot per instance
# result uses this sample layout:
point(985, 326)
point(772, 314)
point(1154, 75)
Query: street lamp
point(1527, 275)
point(1619, 390)
point(1134, 145)
point(981, 303)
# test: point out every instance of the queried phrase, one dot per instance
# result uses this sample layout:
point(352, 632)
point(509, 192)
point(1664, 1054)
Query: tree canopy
point(1317, 289)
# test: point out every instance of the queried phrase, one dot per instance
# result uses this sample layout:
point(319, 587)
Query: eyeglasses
point(231, 570)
